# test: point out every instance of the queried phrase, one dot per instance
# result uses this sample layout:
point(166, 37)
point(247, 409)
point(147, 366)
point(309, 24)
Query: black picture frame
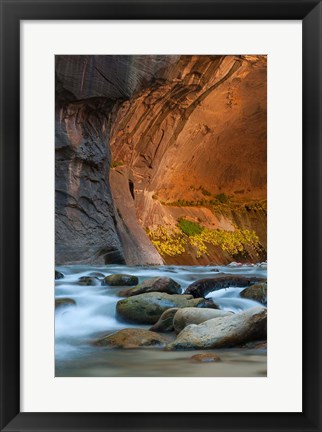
point(12, 12)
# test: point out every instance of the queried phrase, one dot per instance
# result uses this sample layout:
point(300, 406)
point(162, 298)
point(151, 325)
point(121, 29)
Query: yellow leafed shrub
point(171, 242)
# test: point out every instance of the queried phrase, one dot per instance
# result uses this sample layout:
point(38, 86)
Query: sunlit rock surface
point(177, 126)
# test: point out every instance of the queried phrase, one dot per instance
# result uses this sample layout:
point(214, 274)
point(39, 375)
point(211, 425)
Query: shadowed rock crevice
point(136, 246)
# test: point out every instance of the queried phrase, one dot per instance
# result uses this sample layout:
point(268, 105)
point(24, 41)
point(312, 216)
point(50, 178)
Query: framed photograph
point(164, 160)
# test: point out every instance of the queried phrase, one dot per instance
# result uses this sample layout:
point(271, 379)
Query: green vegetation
point(189, 228)
point(223, 198)
point(187, 203)
point(205, 192)
point(256, 206)
point(202, 189)
point(171, 242)
point(181, 203)
point(215, 201)
point(221, 203)
point(115, 164)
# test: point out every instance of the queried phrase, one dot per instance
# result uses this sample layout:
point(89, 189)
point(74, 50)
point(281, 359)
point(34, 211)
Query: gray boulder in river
point(120, 280)
point(88, 281)
point(224, 332)
point(186, 316)
point(257, 292)
point(165, 322)
point(147, 308)
point(178, 318)
point(157, 284)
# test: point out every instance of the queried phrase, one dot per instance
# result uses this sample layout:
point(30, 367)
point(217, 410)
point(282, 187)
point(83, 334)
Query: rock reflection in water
point(156, 363)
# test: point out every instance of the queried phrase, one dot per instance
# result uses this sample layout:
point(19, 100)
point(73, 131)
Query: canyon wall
point(88, 226)
point(183, 131)
point(197, 132)
point(201, 123)
point(85, 216)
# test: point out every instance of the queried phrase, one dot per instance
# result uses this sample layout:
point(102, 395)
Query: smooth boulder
point(165, 322)
point(157, 284)
point(223, 332)
point(88, 281)
point(96, 274)
point(147, 308)
point(202, 287)
point(206, 358)
point(132, 338)
point(64, 301)
point(257, 292)
point(120, 280)
point(187, 316)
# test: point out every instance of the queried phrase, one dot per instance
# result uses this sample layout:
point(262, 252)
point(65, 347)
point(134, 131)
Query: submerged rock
point(120, 280)
point(87, 280)
point(235, 264)
point(147, 308)
point(206, 358)
point(209, 303)
point(157, 284)
point(58, 275)
point(165, 322)
point(132, 338)
point(203, 287)
point(261, 345)
point(257, 292)
point(96, 274)
point(224, 332)
point(64, 301)
point(186, 316)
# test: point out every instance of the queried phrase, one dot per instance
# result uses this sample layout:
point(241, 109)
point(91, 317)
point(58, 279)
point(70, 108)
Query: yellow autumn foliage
point(171, 242)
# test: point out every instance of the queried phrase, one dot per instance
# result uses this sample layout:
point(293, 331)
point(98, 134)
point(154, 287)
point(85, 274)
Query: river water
point(94, 315)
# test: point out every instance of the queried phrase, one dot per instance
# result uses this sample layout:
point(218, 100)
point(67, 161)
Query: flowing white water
point(94, 315)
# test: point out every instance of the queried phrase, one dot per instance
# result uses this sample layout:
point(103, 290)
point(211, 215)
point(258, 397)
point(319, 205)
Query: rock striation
point(135, 134)
point(85, 223)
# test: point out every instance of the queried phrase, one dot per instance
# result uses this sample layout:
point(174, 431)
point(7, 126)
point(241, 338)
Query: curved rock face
point(111, 76)
point(89, 227)
point(210, 110)
point(198, 130)
point(85, 216)
point(137, 248)
point(178, 127)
